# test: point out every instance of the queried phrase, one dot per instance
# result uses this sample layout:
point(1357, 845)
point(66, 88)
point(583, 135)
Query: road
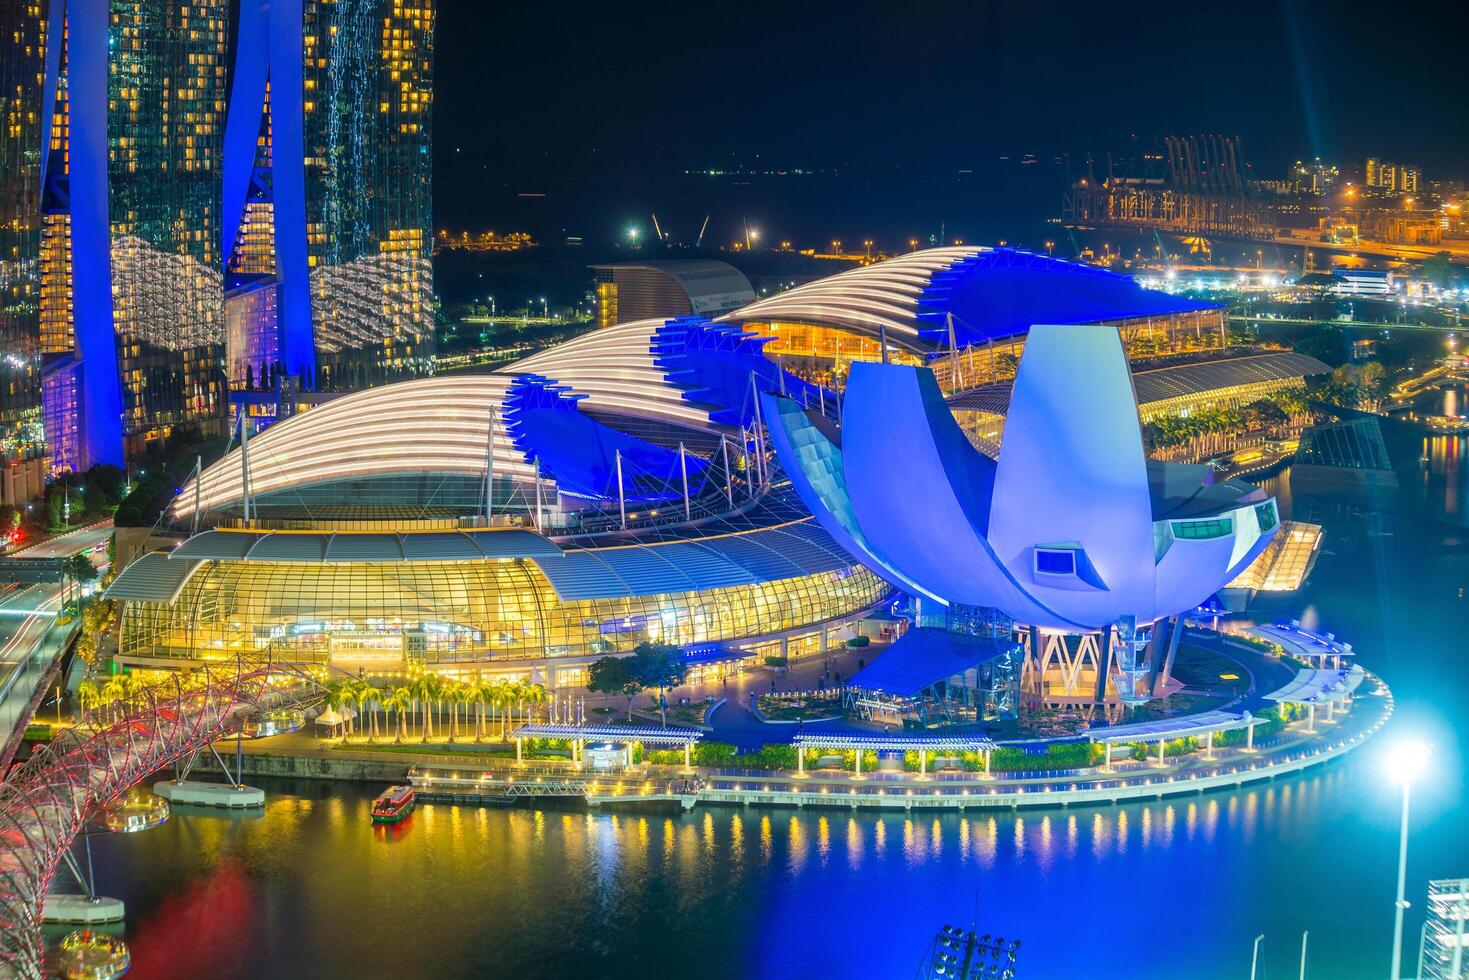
point(27, 614)
point(68, 544)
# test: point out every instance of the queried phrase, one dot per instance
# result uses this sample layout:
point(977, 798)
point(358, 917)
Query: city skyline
point(951, 84)
point(569, 491)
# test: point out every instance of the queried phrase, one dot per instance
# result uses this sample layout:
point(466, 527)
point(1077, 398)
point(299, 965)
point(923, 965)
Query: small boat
point(392, 804)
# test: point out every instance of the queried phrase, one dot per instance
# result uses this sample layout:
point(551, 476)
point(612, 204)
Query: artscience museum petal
point(1072, 529)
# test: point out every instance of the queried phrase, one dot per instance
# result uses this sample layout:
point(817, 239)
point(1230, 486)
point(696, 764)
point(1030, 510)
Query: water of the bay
point(1167, 889)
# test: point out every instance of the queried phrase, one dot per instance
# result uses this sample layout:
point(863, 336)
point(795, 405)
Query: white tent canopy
point(336, 716)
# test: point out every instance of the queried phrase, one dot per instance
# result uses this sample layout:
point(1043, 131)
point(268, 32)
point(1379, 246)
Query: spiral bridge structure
point(48, 800)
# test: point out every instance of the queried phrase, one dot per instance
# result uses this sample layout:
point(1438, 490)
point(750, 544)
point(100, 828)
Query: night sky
point(533, 96)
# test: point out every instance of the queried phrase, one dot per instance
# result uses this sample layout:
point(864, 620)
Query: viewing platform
point(1301, 745)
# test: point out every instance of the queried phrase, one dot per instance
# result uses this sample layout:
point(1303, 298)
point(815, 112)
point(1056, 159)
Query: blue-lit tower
point(264, 247)
point(84, 393)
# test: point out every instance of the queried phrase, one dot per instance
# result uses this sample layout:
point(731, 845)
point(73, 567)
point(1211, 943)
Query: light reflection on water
point(310, 888)
point(458, 883)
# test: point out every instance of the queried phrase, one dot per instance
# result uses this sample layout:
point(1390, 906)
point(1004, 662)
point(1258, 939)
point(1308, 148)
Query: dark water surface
point(1172, 889)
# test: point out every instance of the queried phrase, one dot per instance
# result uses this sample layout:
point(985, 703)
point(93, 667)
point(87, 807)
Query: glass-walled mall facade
point(497, 616)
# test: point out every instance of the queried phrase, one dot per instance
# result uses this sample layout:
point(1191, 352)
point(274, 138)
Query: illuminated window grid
point(1282, 566)
point(466, 612)
point(1234, 396)
point(58, 334)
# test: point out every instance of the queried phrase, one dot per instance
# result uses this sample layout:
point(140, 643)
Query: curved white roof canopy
point(441, 424)
point(614, 369)
point(884, 295)
point(429, 425)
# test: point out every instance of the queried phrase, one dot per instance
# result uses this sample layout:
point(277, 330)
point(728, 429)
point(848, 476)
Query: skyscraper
point(81, 397)
point(166, 97)
point(328, 272)
point(22, 77)
point(164, 249)
point(130, 319)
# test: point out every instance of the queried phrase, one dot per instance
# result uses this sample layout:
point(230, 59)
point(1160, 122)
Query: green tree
point(613, 675)
point(80, 568)
point(1439, 269)
point(10, 517)
point(657, 665)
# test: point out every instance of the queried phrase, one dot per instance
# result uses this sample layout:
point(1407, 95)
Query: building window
point(1055, 561)
point(1203, 530)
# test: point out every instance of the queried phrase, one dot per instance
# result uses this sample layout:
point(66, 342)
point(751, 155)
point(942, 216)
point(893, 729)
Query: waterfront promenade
point(482, 773)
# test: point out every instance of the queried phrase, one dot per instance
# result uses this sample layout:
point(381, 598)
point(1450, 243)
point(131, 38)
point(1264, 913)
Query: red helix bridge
point(51, 798)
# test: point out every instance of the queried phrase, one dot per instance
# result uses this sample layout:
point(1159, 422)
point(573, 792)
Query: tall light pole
point(1405, 761)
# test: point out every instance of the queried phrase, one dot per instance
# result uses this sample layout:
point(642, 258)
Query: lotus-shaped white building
point(1071, 531)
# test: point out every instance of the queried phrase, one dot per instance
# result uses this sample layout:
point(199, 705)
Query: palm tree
point(436, 689)
point(337, 693)
point(362, 692)
point(502, 699)
point(112, 692)
point(483, 691)
point(398, 699)
point(513, 697)
point(419, 689)
point(535, 695)
point(89, 696)
point(455, 693)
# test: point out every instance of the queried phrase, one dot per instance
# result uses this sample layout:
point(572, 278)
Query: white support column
point(245, 463)
point(1311, 718)
point(1162, 749)
point(1209, 745)
point(858, 758)
point(728, 476)
point(621, 498)
point(986, 763)
point(688, 755)
point(1331, 711)
point(1250, 737)
point(519, 757)
point(683, 466)
point(1106, 757)
point(923, 762)
point(490, 472)
point(540, 524)
point(627, 749)
point(800, 760)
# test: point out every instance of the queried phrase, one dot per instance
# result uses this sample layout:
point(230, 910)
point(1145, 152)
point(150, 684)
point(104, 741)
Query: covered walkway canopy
point(1171, 728)
point(924, 657)
point(1300, 642)
point(624, 735)
point(1319, 686)
point(922, 744)
point(151, 578)
point(1165, 730)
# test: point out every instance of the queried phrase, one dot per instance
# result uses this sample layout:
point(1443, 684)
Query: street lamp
point(1405, 762)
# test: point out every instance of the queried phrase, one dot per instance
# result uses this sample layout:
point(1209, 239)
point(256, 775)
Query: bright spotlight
point(1406, 760)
